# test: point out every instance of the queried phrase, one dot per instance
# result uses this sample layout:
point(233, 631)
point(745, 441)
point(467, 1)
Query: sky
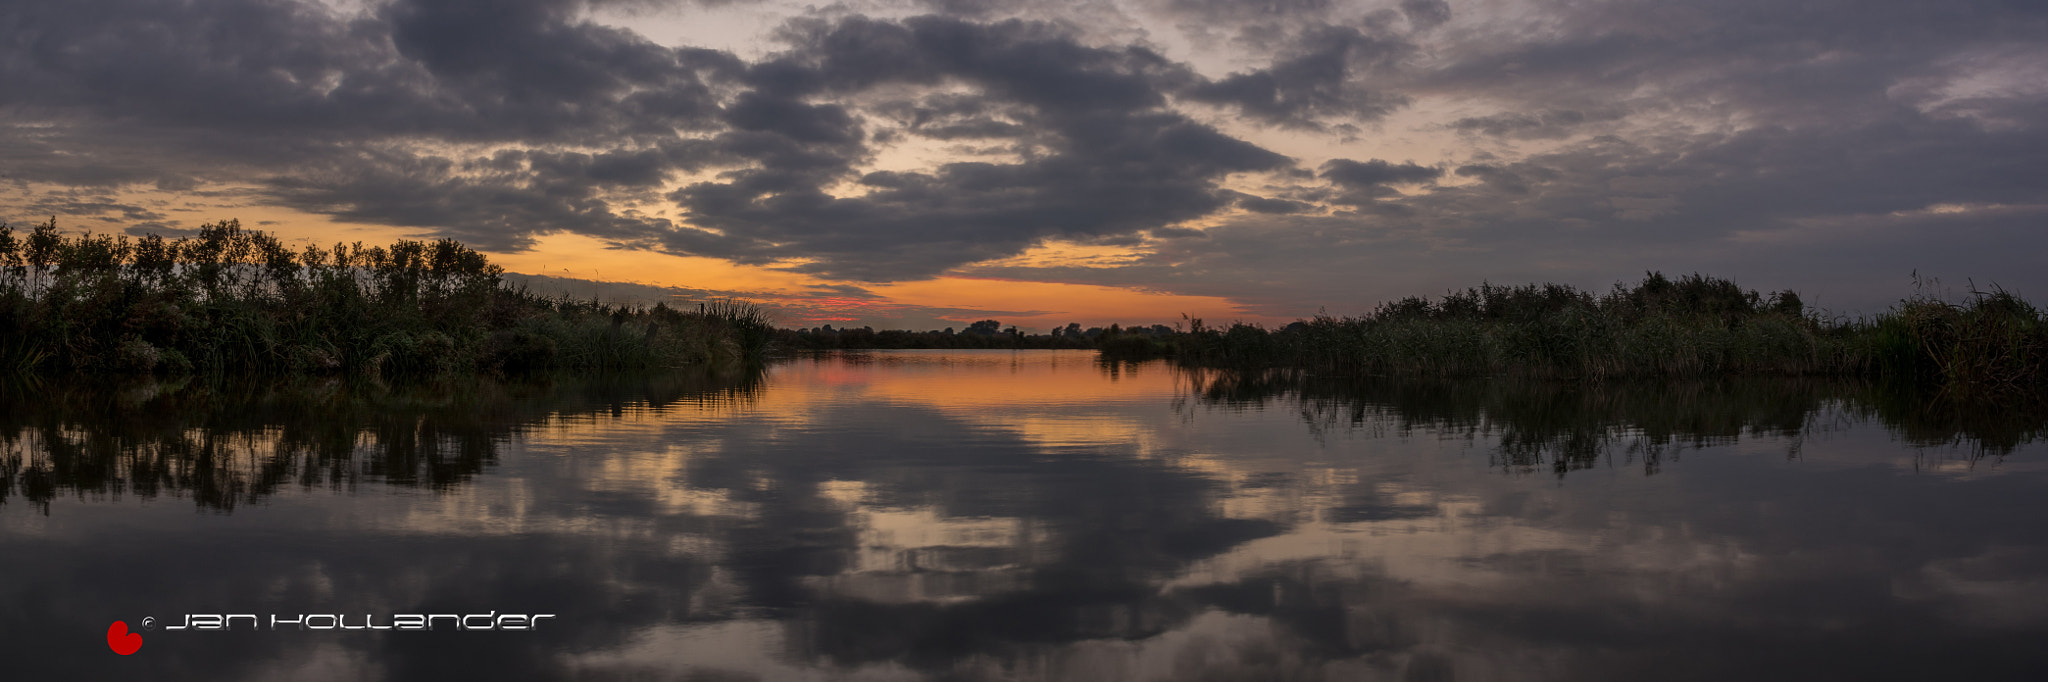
point(926, 163)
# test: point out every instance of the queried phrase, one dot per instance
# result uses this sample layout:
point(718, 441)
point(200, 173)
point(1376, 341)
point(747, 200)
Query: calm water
point(1021, 516)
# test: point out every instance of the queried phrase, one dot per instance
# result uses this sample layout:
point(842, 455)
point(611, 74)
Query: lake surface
point(1027, 515)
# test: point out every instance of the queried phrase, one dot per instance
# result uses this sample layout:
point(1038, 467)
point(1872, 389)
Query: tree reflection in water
point(1026, 516)
point(227, 442)
point(1567, 426)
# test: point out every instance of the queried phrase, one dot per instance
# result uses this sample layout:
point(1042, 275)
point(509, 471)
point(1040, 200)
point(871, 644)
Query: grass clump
point(239, 300)
point(1993, 342)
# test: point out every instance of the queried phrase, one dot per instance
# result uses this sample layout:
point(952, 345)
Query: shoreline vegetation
point(1993, 343)
point(1690, 327)
point(235, 300)
point(231, 299)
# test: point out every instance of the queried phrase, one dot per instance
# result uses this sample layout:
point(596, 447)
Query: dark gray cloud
point(1354, 174)
point(1496, 177)
point(532, 69)
point(1536, 125)
point(99, 206)
point(1366, 186)
point(1324, 74)
point(1110, 159)
point(500, 202)
point(1259, 204)
point(1809, 63)
point(1232, 10)
point(1426, 14)
point(518, 70)
point(323, 110)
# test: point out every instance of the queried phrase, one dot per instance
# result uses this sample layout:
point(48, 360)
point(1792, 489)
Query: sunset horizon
point(920, 165)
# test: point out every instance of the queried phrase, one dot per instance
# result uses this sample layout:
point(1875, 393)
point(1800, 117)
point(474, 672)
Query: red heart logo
point(121, 640)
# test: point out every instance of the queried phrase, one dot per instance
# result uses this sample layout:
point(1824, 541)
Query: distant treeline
point(1692, 326)
point(238, 300)
point(983, 334)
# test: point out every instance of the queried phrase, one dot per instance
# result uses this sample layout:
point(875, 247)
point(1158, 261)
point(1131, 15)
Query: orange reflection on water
point(952, 379)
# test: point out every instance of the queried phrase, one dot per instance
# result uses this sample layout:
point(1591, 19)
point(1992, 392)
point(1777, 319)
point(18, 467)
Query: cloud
point(1495, 177)
point(1354, 174)
point(498, 202)
point(1366, 185)
point(1109, 158)
point(1582, 139)
point(1537, 125)
point(74, 204)
point(1775, 208)
point(1258, 204)
point(1325, 75)
point(1426, 14)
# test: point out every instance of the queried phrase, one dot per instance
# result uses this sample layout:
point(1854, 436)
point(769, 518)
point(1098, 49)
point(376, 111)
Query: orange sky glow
point(801, 300)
